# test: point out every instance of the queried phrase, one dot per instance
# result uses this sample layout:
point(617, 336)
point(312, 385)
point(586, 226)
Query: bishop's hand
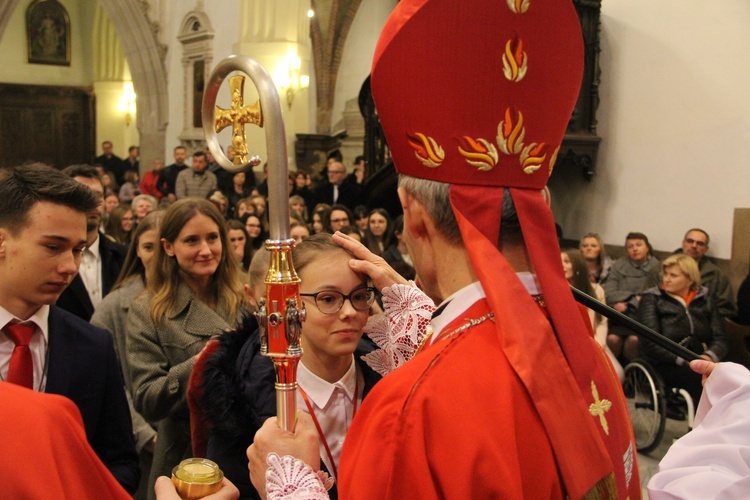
point(366, 262)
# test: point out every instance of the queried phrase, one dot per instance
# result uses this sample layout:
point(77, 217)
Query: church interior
point(657, 147)
point(670, 111)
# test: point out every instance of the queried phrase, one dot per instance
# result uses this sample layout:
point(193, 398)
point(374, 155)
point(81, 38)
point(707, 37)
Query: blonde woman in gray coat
point(193, 290)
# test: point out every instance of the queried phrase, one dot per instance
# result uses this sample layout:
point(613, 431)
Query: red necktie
point(21, 368)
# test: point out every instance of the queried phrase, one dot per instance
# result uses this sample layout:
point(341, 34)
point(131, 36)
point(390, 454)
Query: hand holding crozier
point(302, 443)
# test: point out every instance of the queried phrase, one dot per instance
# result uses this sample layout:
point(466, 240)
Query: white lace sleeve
point(399, 331)
point(289, 478)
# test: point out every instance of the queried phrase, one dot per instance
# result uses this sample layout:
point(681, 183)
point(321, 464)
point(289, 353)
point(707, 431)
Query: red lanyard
point(317, 424)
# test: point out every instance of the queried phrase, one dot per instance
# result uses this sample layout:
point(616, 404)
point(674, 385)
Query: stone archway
point(145, 57)
point(328, 31)
point(146, 60)
point(6, 9)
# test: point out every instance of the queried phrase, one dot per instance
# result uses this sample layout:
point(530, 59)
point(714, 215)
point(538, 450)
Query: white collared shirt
point(38, 344)
point(91, 272)
point(333, 405)
point(335, 193)
point(456, 304)
point(466, 297)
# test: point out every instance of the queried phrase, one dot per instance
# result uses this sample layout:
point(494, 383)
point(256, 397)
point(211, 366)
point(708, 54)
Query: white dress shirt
point(38, 344)
point(91, 272)
point(333, 405)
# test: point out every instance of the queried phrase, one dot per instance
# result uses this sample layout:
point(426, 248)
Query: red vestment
point(457, 422)
point(45, 450)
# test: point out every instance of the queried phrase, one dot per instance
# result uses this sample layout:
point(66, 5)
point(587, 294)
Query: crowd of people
point(163, 273)
point(333, 203)
point(684, 298)
point(481, 378)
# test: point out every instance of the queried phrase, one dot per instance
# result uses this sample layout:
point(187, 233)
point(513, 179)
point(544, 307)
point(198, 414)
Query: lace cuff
point(291, 478)
point(399, 331)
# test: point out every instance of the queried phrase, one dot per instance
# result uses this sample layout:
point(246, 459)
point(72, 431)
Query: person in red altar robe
point(511, 396)
point(48, 456)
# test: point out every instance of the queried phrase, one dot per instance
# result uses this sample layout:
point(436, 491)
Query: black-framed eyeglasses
point(331, 301)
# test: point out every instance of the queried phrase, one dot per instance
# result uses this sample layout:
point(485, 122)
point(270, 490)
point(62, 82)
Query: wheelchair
point(650, 403)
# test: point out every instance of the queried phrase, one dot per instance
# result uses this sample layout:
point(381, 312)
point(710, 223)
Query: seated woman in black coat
point(238, 383)
point(681, 310)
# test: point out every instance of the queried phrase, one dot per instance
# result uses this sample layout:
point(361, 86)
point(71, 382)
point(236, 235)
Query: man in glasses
point(336, 191)
point(695, 244)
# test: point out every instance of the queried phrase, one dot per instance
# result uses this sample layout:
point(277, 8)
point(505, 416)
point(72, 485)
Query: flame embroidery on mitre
point(532, 158)
point(478, 153)
point(515, 61)
point(519, 6)
point(553, 159)
point(510, 135)
point(426, 149)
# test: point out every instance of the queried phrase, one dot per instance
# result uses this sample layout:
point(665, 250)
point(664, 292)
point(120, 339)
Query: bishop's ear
point(414, 213)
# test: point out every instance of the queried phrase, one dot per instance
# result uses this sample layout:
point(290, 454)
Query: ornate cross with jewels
point(237, 116)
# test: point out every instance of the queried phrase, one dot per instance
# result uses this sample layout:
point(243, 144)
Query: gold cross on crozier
point(599, 407)
point(237, 116)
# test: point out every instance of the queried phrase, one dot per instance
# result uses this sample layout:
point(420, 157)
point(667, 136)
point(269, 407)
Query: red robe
point(45, 453)
point(416, 434)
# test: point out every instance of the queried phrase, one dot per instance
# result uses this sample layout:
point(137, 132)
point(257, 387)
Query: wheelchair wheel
point(644, 393)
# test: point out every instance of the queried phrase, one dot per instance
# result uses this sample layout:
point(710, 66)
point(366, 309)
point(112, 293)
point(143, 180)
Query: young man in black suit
point(101, 261)
point(43, 217)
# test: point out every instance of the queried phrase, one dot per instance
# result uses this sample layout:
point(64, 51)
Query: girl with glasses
point(238, 384)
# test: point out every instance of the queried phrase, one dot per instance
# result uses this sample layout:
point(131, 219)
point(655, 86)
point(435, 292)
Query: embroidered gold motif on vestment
point(515, 61)
point(427, 150)
point(510, 135)
point(553, 159)
point(482, 154)
point(599, 407)
point(532, 158)
point(519, 6)
point(478, 153)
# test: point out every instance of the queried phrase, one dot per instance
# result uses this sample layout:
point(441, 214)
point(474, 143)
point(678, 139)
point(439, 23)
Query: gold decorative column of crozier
point(281, 312)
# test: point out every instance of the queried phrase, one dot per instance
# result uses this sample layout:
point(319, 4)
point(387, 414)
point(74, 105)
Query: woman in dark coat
point(681, 310)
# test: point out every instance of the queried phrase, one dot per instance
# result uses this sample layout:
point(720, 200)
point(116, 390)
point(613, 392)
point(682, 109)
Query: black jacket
point(75, 299)
point(697, 327)
point(350, 195)
point(239, 395)
point(82, 366)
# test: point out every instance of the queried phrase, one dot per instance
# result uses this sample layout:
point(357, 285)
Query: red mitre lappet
point(478, 94)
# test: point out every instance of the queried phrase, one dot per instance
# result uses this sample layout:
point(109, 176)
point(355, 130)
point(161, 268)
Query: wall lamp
point(290, 80)
point(127, 103)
